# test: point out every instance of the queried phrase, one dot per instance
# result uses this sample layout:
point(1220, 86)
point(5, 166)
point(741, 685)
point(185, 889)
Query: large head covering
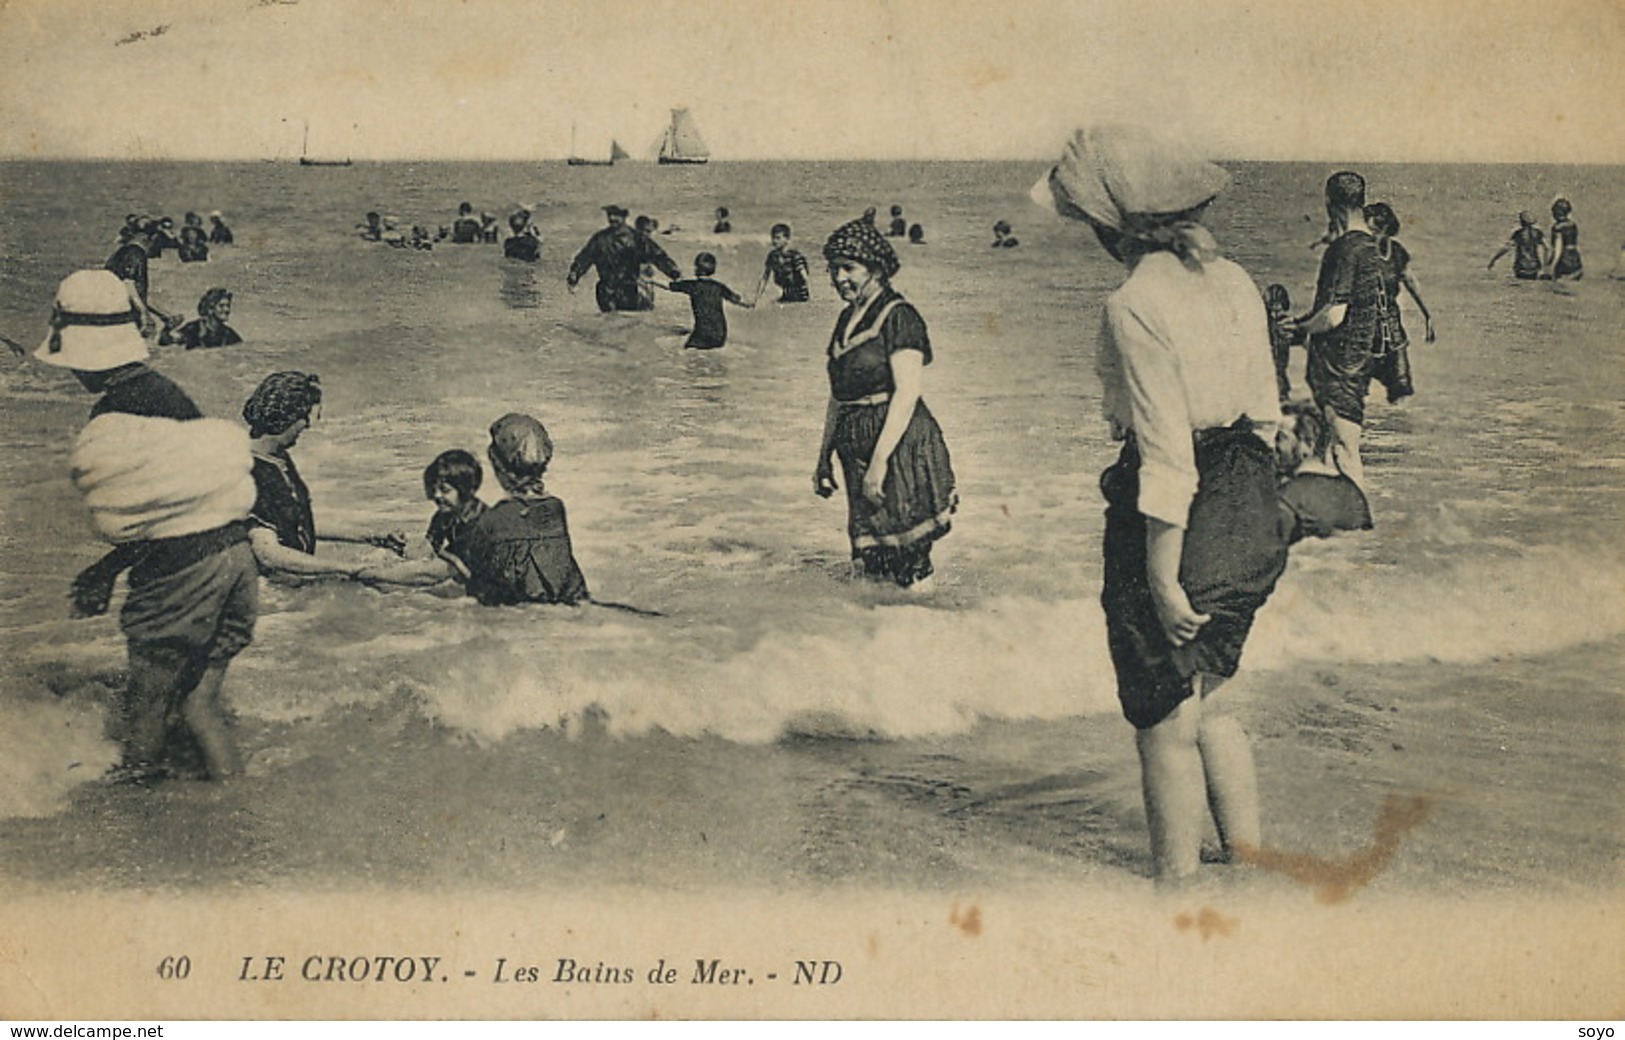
point(1129, 180)
point(860, 240)
point(520, 447)
point(95, 326)
point(281, 400)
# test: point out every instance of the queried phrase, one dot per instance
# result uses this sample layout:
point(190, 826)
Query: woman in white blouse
point(1192, 543)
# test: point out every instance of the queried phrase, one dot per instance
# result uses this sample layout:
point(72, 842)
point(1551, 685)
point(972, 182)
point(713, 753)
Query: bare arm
point(276, 558)
point(1409, 282)
point(1165, 548)
point(908, 376)
point(824, 471)
point(1326, 319)
point(412, 573)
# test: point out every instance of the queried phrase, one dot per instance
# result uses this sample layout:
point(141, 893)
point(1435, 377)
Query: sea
point(1498, 490)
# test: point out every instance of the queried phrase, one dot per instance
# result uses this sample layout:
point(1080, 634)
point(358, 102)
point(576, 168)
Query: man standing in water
point(619, 253)
point(1342, 327)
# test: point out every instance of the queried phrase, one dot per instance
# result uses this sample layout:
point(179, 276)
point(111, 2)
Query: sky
point(1371, 80)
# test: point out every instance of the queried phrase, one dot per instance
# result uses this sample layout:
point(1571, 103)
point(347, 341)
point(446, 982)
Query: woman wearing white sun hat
point(171, 490)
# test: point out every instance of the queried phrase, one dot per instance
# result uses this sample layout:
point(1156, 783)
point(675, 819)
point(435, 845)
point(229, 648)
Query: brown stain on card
point(986, 75)
point(969, 922)
point(1208, 922)
point(1335, 880)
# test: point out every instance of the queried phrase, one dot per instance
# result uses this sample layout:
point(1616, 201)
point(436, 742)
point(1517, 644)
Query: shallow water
point(1498, 490)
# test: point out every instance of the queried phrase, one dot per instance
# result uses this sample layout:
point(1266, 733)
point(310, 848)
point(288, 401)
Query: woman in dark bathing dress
point(899, 479)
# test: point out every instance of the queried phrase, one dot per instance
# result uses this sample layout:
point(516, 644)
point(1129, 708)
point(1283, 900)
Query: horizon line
point(563, 160)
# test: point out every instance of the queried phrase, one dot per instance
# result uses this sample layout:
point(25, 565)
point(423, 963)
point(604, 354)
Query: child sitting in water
point(723, 225)
point(705, 294)
point(1002, 238)
point(450, 482)
point(1317, 497)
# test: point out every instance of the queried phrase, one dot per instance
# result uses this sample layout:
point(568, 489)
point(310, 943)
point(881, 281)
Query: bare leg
point(1232, 781)
point(147, 698)
point(1176, 809)
point(1348, 444)
point(207, 719)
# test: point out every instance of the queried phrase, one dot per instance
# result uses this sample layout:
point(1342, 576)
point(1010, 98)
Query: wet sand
point(1503, 766)
point(1441, 843)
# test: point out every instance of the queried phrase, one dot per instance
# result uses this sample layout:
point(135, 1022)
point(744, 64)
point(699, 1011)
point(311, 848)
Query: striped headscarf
point(861, 241)
point(281, 400)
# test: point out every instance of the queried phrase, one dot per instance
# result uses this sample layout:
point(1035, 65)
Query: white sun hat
point(95, 325)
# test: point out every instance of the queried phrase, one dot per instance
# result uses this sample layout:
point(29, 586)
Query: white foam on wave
point(916, 672)
point(1540, 600)
point(920, 672)
point(53, 745)
point(894, 671)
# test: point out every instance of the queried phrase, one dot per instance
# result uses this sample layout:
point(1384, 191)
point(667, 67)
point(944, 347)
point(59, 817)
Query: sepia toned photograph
point(884, 509)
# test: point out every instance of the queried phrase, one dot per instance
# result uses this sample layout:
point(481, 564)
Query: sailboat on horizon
point(578, 158)
point(306, 160)
point(682, 144)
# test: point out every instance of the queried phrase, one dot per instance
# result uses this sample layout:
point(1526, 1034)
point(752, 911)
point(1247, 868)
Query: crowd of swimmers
point(1223, 466)
point(143, 239)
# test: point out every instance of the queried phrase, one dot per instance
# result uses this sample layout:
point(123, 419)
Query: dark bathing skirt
point(1233, 556)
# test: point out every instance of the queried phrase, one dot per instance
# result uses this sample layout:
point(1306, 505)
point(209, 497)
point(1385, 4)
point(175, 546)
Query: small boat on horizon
point(578, 158)
point(682, 144)
point(306, 160)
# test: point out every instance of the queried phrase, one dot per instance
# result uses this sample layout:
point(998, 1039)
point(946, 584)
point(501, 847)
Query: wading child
point(1278, 302)
point(705, 294)
point(786, 267)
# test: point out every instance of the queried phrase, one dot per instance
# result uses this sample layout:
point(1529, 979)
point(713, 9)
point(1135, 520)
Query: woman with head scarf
point(284, 534)
point(899, 479)
point(519, 551)
point(1192, 547)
